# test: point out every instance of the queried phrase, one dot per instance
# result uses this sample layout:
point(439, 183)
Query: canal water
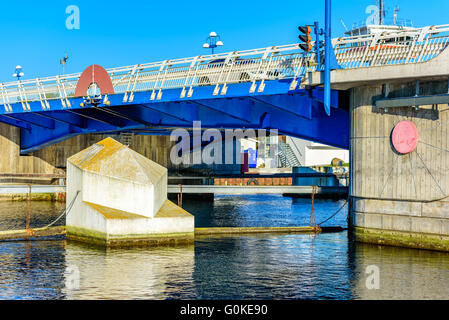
point(298, 266)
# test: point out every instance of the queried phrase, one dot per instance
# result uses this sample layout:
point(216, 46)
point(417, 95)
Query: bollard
point(180, 196)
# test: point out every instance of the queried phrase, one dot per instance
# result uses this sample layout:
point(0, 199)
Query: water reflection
point(404, 273)
point(298, 266)
point(272, 267)
point(31, 270)
point(262, 211)
point(137, 273)
point(13, 214)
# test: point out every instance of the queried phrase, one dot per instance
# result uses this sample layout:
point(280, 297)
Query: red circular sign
point(405, 137)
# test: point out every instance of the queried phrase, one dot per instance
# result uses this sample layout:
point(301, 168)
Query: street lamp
point(18, 73)
point(212, 41)
point(63, 61)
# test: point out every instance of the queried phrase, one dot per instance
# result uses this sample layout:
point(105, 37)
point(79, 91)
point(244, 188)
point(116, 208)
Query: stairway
point(287, 157)
point(126, 138)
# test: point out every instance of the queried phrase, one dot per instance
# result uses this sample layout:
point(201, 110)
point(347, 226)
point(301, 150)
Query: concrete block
point(400, 223)
point(115, 176)
point(387, 222)
point(436, 210)
point(426, 225)
point(373, 221)
point(393, 207)
point(359, 205)
point(445, 227)
point(122, 198)
point(358, 219)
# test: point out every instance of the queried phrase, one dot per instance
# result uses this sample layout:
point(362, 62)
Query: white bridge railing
point(252, 66)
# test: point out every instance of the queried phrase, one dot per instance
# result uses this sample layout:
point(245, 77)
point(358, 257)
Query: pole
point(381, 12)
point(28, 214)
point(327, 58)
point(317, 45)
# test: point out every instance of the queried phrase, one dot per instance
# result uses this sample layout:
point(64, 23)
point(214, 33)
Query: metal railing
point(252, 66)
point(400, 47)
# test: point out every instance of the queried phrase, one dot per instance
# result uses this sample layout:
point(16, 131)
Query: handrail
point(254, 66)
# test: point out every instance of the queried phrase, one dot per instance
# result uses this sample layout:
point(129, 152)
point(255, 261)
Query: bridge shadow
point(52, 159)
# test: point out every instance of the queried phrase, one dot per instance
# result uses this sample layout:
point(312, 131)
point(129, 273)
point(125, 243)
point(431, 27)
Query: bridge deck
point(261, 88)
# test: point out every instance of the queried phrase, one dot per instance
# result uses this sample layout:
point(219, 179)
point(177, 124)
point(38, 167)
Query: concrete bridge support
point(53, 158)
point(400, 199)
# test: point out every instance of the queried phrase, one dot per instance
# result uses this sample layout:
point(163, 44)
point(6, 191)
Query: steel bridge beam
point(298, 113)
point(64, 117)
point(226, 108)
point(30, 118)
point(123, 115)
point(15, 122)
point(109, 120)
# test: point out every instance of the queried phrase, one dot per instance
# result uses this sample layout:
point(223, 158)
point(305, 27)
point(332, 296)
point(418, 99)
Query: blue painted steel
point(297, 113)
point(318, 44)
point(252, 157)
point(328, 48)
point(330, 60)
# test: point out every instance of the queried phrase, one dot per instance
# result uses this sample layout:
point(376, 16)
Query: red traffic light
point(305, 29)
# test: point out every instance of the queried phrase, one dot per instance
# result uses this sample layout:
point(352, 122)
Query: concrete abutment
point(399, 199)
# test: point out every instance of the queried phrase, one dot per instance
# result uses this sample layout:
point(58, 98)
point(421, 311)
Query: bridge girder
point(297, 113)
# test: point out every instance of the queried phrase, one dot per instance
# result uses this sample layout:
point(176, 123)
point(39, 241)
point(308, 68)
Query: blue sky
point(118, 33)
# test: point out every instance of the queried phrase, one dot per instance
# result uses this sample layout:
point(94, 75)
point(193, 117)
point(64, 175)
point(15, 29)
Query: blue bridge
point(259, 89)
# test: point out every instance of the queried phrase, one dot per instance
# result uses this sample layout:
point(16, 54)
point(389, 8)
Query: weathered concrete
point(400, 199)
point(122, 199)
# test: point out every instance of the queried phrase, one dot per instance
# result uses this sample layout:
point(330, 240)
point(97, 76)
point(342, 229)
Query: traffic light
point(306, 38)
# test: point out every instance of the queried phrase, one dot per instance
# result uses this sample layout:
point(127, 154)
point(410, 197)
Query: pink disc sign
point(405, 137)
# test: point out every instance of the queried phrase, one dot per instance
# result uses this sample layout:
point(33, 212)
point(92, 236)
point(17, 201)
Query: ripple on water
point(297, 266)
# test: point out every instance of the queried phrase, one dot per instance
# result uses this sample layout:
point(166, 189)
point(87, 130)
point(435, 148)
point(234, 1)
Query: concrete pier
point(399, 197)
point(120, 199)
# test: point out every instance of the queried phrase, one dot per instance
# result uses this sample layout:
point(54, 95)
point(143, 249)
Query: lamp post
point(18, 73)
point(63, 61)
point(212, 41)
